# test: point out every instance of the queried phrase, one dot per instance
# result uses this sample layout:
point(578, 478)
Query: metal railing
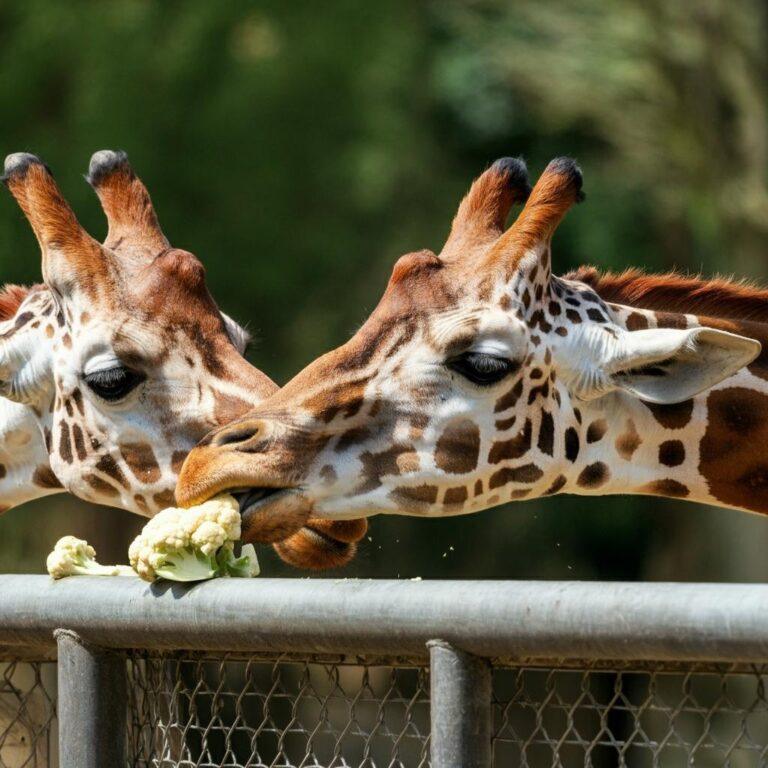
point(330, 673)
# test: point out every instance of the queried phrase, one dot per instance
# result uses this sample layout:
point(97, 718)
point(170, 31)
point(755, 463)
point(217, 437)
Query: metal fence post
point(460, 706)
point(92, 703)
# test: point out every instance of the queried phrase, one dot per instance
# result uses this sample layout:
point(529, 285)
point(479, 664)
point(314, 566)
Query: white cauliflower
point(76, 557)
point(193, 544)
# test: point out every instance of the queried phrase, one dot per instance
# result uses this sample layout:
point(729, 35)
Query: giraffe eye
point(113, 384)
point(481, 368)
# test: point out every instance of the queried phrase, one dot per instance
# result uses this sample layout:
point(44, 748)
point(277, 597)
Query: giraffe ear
point(665, 365)
point(237, 334)
point(25, 364)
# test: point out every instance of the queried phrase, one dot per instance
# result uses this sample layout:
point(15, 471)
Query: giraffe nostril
point(234, 436)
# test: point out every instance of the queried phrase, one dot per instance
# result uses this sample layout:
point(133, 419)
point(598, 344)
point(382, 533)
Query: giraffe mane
point(674, 292)
point(11, 297)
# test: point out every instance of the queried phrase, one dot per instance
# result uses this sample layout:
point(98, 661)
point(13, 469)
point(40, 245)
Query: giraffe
point(113, 368)
point(482, 378)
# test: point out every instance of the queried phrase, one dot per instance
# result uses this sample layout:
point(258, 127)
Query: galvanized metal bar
point(460, 708)
point(525, 620)
point(92, 704)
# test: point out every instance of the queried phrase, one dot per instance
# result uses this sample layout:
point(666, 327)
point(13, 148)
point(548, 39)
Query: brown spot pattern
point(637, 322)
point(352, 437)
point(164, 499)
point(101, 486)
point(557, 485)
point(670, 320)
point(504, 424)
point(509, 399)
point(328, 474)
point(79, 441)
point(731, 458)
point(593, 475)
point(675, 416)
point(65, 447)
point(458, 447)
point(546, 441)
point(177, 459)
point(596, 430)
point(141, 460)
point(667, 487)
point(77, 397)
point(513, 448)
point(672, 453)
point(628, 442)
point(571, 444)
point(108, 466)
point(455, 495)
point(528, 473)
point(416, 497)
point(378, 464)
point(43, 476)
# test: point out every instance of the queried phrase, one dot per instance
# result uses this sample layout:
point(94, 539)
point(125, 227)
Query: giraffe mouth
point(271, 514)
point(250, 499)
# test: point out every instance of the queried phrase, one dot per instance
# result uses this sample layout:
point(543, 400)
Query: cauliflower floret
point(76, 557)
point(193, 544)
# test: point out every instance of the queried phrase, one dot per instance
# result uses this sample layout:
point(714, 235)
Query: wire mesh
point(226, 713)
point(642, 717)
point(28, 733)
point(248, 712)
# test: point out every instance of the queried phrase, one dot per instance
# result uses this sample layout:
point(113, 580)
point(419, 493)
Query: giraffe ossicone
point(482, 378)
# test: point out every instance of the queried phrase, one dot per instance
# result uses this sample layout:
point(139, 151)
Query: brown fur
point(129, 209)
point(11, 298)
point(54, 223)
point(323, 544)
point(673, 292)
point(483, 211)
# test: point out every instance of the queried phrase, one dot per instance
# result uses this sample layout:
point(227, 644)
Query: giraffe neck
point(25, 471)
point(709, 449)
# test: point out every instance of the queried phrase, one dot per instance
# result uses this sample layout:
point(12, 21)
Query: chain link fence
point(206, 712)
point(203, 711)
point(292, 709)
point(27, 714)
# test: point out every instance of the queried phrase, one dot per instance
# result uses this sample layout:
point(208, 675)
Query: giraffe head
point(121, 360)
point(465, 386)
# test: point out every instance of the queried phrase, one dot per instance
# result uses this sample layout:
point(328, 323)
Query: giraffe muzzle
point(272, 514)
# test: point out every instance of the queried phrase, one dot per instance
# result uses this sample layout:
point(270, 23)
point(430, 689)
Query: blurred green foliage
point(299, 148)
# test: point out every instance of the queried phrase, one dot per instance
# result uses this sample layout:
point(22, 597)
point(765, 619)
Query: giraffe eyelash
point(483, 369)
point(113, 384)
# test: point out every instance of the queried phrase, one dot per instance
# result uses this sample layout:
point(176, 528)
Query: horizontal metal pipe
point(526, 620)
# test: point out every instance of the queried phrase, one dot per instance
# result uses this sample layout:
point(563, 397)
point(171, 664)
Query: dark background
point(298, 148)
